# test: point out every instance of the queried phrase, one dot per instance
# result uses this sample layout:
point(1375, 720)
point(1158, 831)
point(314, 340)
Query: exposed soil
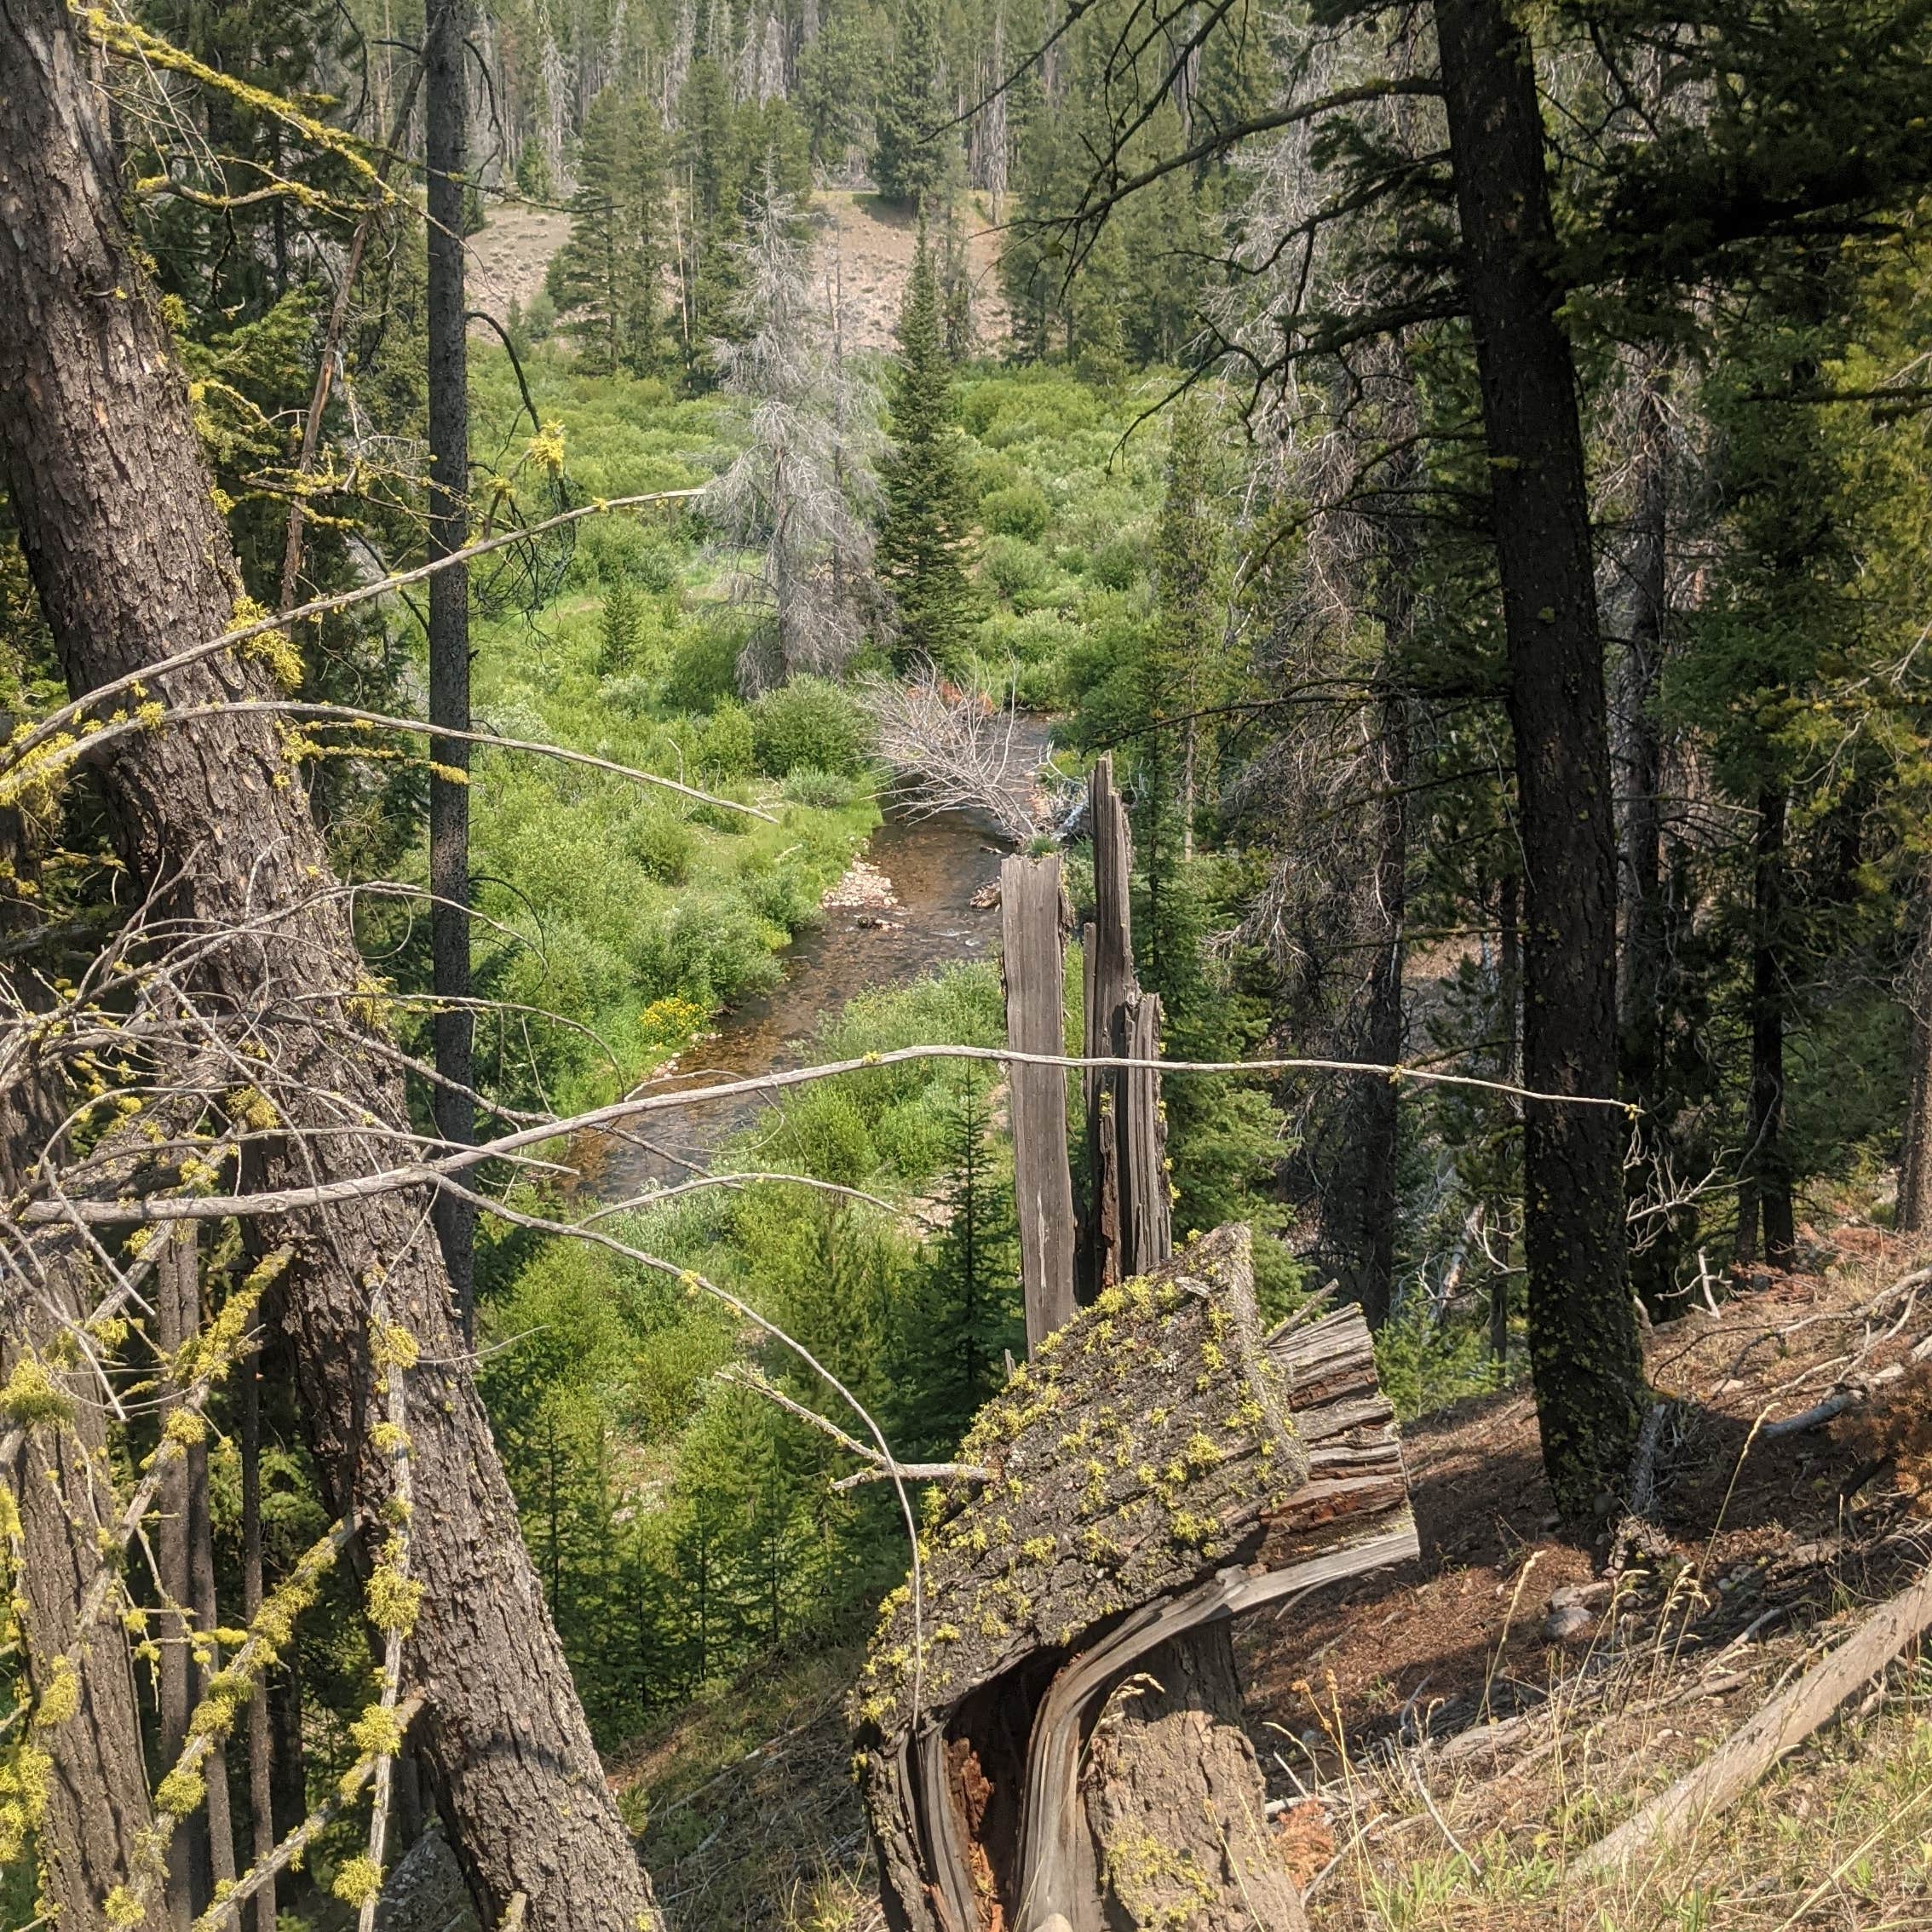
point(869, 247)
point(862, 246)
point(508, 259)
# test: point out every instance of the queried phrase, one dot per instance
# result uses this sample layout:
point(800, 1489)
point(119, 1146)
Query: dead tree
point(1033, 930)
point(133, 564)
point(1160, 1467)
point(1129, 1225)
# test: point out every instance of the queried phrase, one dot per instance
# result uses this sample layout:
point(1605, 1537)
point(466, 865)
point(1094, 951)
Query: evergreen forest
point(964, 967)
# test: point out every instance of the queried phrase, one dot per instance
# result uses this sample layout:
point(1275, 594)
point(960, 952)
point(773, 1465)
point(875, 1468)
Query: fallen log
point(1776, 1731)
point(1158, 1468)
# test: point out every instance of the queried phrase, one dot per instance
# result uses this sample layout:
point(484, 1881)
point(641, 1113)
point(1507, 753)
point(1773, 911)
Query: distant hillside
point(867, 246)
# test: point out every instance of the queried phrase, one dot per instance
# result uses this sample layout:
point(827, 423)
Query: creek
point(935, 865)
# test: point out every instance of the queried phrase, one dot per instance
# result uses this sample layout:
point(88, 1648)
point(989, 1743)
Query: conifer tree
point(619, 632)
point(604, 277)
point(925, 545)
point(1184, 653)
point(911, 157)
point(965, 1314)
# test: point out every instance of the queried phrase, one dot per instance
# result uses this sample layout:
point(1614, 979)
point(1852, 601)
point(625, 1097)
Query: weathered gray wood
point(1147, 1204)
point(1108, 980)
point(1160, 1467)
point(1033, 930)
point(1177, 1802)
point(1129, 1224)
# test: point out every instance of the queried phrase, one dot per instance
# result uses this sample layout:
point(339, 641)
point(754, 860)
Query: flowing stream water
point(935, 865)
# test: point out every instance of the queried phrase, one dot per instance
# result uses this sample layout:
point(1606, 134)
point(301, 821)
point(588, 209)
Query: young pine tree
point(925, 545)
point(965, 1313)
point(620, 631)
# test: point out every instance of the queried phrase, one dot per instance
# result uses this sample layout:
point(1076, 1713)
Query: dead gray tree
point(788, 499)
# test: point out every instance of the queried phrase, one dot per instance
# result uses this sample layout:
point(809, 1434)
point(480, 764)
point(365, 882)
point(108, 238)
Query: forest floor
point(1436, 1753)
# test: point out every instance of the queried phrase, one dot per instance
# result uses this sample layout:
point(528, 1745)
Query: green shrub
point(703, 668)
point(823, 790)
point(991, 471)
point(628, 697)
point(664, 844)
point(1021, 511)
point(1118, 563)
point(809, 721)
point(725, 747)
point(1014, 567)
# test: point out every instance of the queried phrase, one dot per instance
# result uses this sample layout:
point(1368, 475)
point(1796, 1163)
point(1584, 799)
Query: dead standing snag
point(1159, 1467)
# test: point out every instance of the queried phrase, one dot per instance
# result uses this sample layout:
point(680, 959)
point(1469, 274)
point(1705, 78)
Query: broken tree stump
point(1160, 1467)
point(1033, 964)
point(1129, 1225)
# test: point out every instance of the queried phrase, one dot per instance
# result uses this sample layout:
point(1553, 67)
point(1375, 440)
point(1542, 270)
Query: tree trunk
point(261, 1745)
point(1176, 1799)
point(1032, 962)
point(132, 562)
point(177, 1305)
point(1508, 1013)
point(1915, 1156)
point(1765, 1208)
point(1584, 1353)
point(1374, 1103)
point(1642, 964)
point(1129, 1227)
point(446, 117)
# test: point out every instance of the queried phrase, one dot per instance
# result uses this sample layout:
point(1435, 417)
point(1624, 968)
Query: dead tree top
point(1143, 1449)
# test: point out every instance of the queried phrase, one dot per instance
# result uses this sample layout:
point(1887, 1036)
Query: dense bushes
point(810, 722)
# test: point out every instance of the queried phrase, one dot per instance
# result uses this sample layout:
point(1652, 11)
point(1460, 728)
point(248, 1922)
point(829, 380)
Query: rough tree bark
point(1915, 1153)
point(177, 1310)
point(1161, 1468)
point(1764, 1204)
point(446, 120)
point(132, 562)
point(1584, 1353)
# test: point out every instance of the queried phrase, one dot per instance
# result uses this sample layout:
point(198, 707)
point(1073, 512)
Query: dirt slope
point(859, 244)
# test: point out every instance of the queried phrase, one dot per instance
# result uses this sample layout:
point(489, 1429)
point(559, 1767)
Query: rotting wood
point(1778, 1728)
point(1032, 934)
point(1161, 1467)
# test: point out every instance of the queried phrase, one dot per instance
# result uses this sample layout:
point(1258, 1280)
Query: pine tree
point(789, 497)
point(620, 631)
point(926, 542)
point(911, 157)
point(965, 1314)
point(604, 277)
